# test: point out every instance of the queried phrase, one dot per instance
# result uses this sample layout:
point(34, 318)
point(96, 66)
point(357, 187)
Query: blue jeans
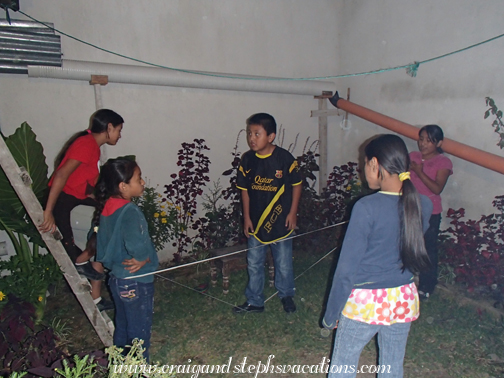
point(284, 273)
point(134, 305)
point(429, 279)
point(352, 336)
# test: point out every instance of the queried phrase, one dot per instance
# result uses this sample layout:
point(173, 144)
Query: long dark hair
point(98, 123)
point(392, 156)
point(113, 172)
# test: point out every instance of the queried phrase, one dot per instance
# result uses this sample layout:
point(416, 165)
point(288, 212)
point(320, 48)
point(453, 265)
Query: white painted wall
point(271, 38)
point(450, 92)
point(289, 38)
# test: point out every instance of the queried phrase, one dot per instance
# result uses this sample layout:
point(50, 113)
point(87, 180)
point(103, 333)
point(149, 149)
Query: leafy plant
point(30, 272)
point(23, 345)
point(497, 123)
point(133, 364)
point(186, 186)
point(161, 217)
point(475, 248)
point(221, 225)
point(343, 186)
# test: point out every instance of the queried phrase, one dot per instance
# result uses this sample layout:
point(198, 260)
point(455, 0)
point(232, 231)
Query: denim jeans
point(284, 273)
point(134, 305)
point(428, 279)
point(352, 336)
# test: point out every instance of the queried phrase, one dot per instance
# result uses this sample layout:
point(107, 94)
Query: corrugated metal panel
point(24, 43)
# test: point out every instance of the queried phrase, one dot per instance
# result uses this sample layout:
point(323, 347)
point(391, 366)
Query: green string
point(411, 69)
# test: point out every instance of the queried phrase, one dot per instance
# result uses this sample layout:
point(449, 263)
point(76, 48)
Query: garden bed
point(452, 338)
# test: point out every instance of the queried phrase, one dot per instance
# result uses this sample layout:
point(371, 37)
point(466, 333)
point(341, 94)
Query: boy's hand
point(291, 221)
point(133, 265)
point(248, 227)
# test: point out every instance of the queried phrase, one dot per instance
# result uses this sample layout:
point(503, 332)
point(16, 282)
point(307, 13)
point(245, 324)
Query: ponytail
point(98, 123)
point(412, 244)
point(392, 155)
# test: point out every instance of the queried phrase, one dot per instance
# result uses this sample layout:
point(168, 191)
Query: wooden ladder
point(21, 181)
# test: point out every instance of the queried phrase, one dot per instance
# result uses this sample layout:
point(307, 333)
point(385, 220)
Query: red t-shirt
point(86, 150)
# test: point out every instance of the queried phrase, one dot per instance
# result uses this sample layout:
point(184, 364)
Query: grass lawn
point(189, 328)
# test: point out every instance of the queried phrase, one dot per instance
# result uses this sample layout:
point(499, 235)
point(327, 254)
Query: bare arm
point(247, 222)
point(435, 186)
point(291, 219)
point(60, 178)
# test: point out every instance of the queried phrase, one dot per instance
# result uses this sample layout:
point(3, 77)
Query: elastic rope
point(311, 266)
point(199, 292)
point(229, 254)
point(411, 68)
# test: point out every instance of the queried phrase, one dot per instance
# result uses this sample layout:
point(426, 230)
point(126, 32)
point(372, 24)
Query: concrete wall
point(271, 38)
point(450, 92)
point(289, 38)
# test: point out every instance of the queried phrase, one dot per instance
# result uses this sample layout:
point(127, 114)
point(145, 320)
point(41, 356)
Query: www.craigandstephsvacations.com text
point(255, 369)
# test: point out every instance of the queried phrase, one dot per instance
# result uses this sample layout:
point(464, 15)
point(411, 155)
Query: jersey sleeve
point(242, 179)
point(354, 247)
point(294, 176)
point(136, 236)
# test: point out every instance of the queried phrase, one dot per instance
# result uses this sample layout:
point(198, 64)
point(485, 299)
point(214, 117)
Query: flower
point(2, 296)
point(163, 213)
point(384, 312)
point(362, 296)
point(379, 295)
point(163, 220)
point(368, 311)
point(349, 187)
point(156, 215)
point(401, 310)
point(350, 309)
point(40, 298)
point(408, 293)
point(162, 206)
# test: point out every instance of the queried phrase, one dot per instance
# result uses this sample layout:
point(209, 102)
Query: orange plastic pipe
point(463, 151)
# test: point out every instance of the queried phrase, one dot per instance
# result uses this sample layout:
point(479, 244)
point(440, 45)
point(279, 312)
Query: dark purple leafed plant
point(186, 186)
point(475, 248)
point(23, 345)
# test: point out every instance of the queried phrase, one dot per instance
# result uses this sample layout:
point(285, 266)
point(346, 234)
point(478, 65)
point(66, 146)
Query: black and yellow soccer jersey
point(269, 180)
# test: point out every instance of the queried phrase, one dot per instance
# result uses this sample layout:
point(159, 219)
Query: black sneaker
point(89, 272)
point(247, 307)
point(105, 305)
point(288, 305)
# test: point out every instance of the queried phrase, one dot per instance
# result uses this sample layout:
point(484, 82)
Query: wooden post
point(97, 81)
point(322, 121)
point(21, 182)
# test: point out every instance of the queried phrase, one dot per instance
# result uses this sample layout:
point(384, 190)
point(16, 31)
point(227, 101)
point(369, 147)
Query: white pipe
point(120, 73)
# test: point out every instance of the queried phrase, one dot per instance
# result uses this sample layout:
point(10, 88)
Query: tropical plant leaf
point(27, 153)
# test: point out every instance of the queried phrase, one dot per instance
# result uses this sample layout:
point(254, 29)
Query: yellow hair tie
point(404, 176)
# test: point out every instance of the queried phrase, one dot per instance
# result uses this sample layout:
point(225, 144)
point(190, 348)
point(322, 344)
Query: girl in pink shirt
point(430, 170)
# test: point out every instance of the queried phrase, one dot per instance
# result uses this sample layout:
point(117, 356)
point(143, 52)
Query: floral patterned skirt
point(383, 306)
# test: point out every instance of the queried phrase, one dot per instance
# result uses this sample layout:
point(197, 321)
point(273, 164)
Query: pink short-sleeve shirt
point(430, 168)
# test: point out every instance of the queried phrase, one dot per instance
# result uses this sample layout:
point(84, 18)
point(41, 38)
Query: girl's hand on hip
point(133, 265)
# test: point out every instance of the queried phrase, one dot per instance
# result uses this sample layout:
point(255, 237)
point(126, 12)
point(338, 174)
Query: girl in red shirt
point(72, 184)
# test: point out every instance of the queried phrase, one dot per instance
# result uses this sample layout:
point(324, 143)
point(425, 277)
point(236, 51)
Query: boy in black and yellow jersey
point(270, 182)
